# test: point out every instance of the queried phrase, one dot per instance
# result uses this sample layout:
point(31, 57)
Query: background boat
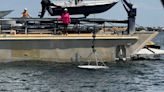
point(84, 7)
point(5, 13)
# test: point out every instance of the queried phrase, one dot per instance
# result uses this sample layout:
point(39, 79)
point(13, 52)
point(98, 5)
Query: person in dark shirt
point(46, 6)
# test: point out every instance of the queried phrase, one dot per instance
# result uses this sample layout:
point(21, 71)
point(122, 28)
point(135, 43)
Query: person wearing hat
point(25, 14)
point(66, 20)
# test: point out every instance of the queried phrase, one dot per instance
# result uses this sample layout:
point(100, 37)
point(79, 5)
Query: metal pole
point(26, 28)
point(131, 16)
point(131, 21)
point(0, 26)
point(0, 29)
point(25, 24)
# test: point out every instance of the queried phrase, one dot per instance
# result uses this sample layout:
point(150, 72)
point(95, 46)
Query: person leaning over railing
point(25, 14)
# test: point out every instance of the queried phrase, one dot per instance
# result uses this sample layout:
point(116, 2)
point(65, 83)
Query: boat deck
point(68, 36)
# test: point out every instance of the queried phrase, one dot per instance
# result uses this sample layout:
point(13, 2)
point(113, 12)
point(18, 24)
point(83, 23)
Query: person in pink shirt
point(66, 20)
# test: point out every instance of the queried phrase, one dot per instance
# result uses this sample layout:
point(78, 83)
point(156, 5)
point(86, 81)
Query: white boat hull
point(71, 48)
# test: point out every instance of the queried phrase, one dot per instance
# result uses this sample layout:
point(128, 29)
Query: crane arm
point(130, 6)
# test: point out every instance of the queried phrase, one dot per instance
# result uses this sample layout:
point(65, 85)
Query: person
point(25, 14)
point(79, 1)
point(66, 20)
point(46, 6)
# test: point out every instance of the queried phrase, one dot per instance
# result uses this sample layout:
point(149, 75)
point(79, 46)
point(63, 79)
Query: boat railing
point(54, 26)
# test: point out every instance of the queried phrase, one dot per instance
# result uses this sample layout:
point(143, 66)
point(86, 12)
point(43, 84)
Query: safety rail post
point(26, 29)
point(0, 29)
point(55, 27)
point(25, 25)
point(0, 26)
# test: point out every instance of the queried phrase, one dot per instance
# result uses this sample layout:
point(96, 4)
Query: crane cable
point(97, 57)
point(94, 54)
point(94, 37)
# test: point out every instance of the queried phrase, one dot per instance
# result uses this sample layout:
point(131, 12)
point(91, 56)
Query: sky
point(149, 12)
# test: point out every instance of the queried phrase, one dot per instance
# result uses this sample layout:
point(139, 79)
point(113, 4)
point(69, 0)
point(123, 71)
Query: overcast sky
point(150, 12)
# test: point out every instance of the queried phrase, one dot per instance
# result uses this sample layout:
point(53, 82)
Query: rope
point(93, 41)
point(93, 54)
point(94, 37)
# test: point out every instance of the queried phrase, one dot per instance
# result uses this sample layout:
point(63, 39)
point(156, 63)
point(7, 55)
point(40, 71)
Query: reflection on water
point(39, 76)
point(144, 76)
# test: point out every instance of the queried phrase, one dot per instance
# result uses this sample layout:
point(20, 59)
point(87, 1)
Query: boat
point(5, 13)
point(92, 67)
point(38, 39)
point(85, 7)
point(149, 51)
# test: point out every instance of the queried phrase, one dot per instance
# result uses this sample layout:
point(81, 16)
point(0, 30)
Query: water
point(38, 76)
